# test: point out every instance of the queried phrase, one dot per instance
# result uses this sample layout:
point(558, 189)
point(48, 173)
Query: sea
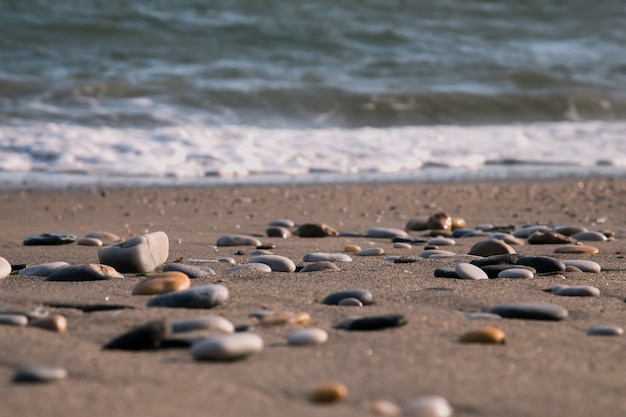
point(223, 91)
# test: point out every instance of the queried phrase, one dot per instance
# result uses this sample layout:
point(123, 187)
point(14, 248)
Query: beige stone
point(576, 249)
point(485, 334)
point(329, 392)
point(351, 248)
point(440, 220)
point(55, 323)
point(162, 283)
point(278, 319)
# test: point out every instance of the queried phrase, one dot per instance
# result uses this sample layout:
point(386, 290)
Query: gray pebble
point(542, 264)
point(227, 347)
point(310, 336)
point(259, 267)
point(216, 323)
point(579, 291)
point(469, 271)
point(385, 232)
point(89, 272)
point(39, 374)
point(371, 252)
point(540, 311)
point(43, 270)
point(363, 295)
point(330, 257)
point(526, 231)
point(441, 241)
point(605, 331)
point(590, 236)
point(50, 239)
point(276, 262)
point(516, 273)
point(584, 265)
point(202, 296)
point(238, 240)
point(190, 270)
point(282, 223)
point(227, 260)
point(277, 231)
point(427, 406)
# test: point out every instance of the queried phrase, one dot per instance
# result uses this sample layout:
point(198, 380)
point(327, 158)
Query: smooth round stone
point(516, 273)
point(524, 232)
point(540, 311)
point(576, 249)
point(258, 252)
point(144, 337)
point(441, 241)
point(202, 296)
point(89, 272)
point(351, 248)
point(327, 257)
point(583, 265)
point(191, 271)
point(39, 373)
point(469, 271)
point(213, 323)
point(605, 331)
point(227, 347)
point(549, 238)
point(258, 267)
point(418, 223)
point(227, 260)
point(360, 294)
point(321, 266)
point(439, 221)
point(89, 241)
point(163, 283)
point(569, 230)
point(487, 335)
point(13, 319)
point(493, 271)
point(238, 240)
point(482, 316)
point(54, 323)
point(507, 238)
point(276, 262)
point(5, 268)
point(350, 302)
point(458, 223)
point(50, 239)
point(142, 253)
point(282, 223)
point(107, 238)
point(579, 291)
point(277, 231)
point(542, 264)
point(427, 406)
point(43, 270)
point(402, 245)
point(371, 252)
point(329, 393)
point(446, 273)
point(385, 408)
point(435, 253)
point(372, 323)
point(316, 230)
point(491, 247)
point(310, 336)
point(590, 236)
point(385, 232)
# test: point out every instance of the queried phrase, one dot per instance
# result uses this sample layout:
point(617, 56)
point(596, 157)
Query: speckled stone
point(491, 247)
point(542, 264)
point(257, 267)
point(487, 335)
point(142, 253)
point(227, 347)
point(360, 294)
point(213, 323)
point(322, 266)
point(469, 271)
point(516, 273)
point(583, 265)
point(427, 406)
point(55, 323)
point(540, 311)
point(191, 271)
point(328, 257)
point(237, 240)
point(43, 270)
point(276, 262)
point(579, 291)
point(13, 319)
point(89, 272)
point(202, 296)
point(329, 393)
point(162, 283)
point(385, 232)
point(310, 336)
point(371, 252)
point(49, 239)
point(5, 268)
point(316, 230)
point(277, 231)
point(605, 331)
point(372, 323)
point(39, 374)
point(590, 236)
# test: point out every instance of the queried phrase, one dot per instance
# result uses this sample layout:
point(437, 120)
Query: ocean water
point(190, 90)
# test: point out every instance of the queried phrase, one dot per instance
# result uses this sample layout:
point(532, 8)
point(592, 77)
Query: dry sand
point(545, 369)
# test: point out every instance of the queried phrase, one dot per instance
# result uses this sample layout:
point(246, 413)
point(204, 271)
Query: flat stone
point(202, 296)
point(491, 247)
point(583, 265)
point(469, 271)
point(371, 252)
point(142, 253)
point(277, 231)
point(282, 223)
point(590, 236)
point(569, 230)
point(39, 373)
point(316, 230)
point(329, 393)
point(542, 264)
point(107, 238)
point(439, 221)
point(549, 238)
point(212, 323)
point(413, 240)
point(579, 291)
point(427, 406)
point(326, 257)
point(258, 252)
point(446, 273)
point(257, 267)
point(371, 323)
point(385, 232)
point(43, 270)
point(402, 245)
point(482, 316)
point(605, 331)
point(89, 241)
point(238, 240)
point(283, 318)
point(526, 231)
point(322, 266)
point(310, 336)
point(400, 259)
point(351, 248)
point(487, 335)
point(350, 302)
point(576, 249)
point(50, 239)
point(227, 347)
point(465, 233)
point(89, 272)
point(276, 262)
point(54, 323)
point(5, 268)
point(145, 337)
point(540, 311)
point(162, 283)
point(516, 273)
point(418, 223)
point(13, 319)
point(436, 253)
point(507, 238)
point(226, 260)
point(506, 259)
point(191, 271)
point(493, 271)
point(360, 294)
point(441, 241)
point(350, 234)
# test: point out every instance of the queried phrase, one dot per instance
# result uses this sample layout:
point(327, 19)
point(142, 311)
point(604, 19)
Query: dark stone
point(408, 239)
point(446, 273)
point(542, 264)
point(148, 336)
point(542, 311)
point(363, 295)
point(376, 322)
point(50, 239)
point(404, 260)
point(316, 230)
point(506, 259)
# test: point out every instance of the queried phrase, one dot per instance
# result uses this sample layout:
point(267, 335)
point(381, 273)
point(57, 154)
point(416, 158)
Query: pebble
point(493, 271)
point(427, 406)
point(570, 268)
point(465, 233)
point(360, 294)
point(507, 238)
point(320, 267)
point(435, 253)
point(202, 296)
point(579, 291)
point(258, 252)
point(258, 267)
point(441, 241)
point(568, 230)
point(89, 241)
point(107, 238)
point(576, 249)
point(277, 231)
point(590, 236)
point(469, 271)
point(491, 247)
point(43, 270)
point(227, 347)
point(486, 335)
point(227, 260)
point(310, 336)
point(583, 265)
point(328, 257)
point(549, 238)
point(440, 233)
point(215, 323)
point(540, 311)
point(280, 319)
point(238, 240)
point(329, 393)
point(13, 319)
point(385, 408)
point(458, 223)
point(370, 323)
point(446, 273)
point(39, 373)
point(276, 262)
point(371, 252)
point(605, 331)
point(351, 248)
point(542, 264)
point(142, 253)
point(506, 259)
point(50, 239)
point(526, 231)
point(282, 223)
point(402, 245)
point(350, 302)
point(418, 223)
point(516, 273)
point(89, 272)
point(439, 221)
point(316, 230)
point(145, 337)
point(556, 288)
point(482, 316)
point(267, 246)
point(190, 270)
point(55, 323)
point(385, 232)
point(400, 259)
point(5, 268)
point(162, 283)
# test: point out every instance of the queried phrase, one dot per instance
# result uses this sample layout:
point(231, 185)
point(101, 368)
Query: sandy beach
point(545, 368)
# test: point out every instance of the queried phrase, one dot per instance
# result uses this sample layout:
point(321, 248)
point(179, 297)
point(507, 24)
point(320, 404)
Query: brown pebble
point(576, 249)
point(352, 248)
point(55, 323)
point(549, 238)
point(440, 220)
point(485, 334)
point(278, 319)
point(571, 268)
point(316, 230)
point(440, 233)
point(419, 223)
point(491, 247)
point(329, 393)
point(458, 223)
point(162, 283)
point(431, 247)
